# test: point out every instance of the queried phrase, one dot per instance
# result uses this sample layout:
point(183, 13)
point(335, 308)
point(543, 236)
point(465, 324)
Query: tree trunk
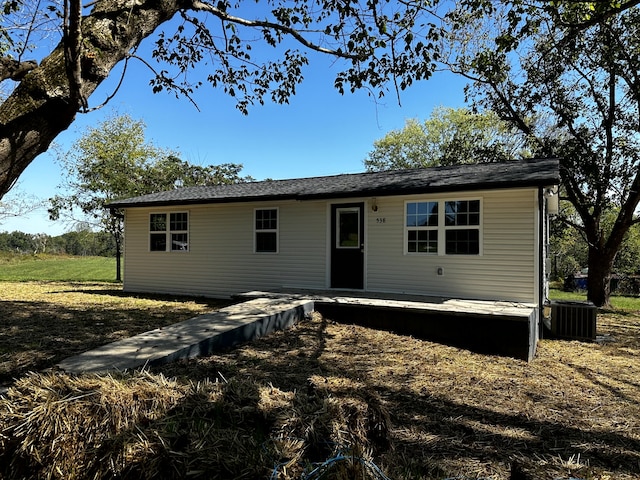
point(44, 104)
point(603, 250)
point(118, 257)
point(599, 282)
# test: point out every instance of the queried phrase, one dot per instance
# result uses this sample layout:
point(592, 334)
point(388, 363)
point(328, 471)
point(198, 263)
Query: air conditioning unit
point(573, 320)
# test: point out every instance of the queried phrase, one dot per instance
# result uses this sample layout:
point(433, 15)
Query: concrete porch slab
point(402, 301)
point(488, 327)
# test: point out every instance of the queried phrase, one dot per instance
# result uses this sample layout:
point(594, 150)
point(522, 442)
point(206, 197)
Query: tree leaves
point(113, 161)
point(569, 81)
point(256, 51)
point(381, 41)
point(449, 137)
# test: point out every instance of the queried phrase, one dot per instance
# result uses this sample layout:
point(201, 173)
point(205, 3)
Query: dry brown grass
point(45, 322)
point(413, 408)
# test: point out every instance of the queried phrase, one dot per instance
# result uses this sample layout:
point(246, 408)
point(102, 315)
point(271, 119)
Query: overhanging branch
point(199, 5)
point(14, 69)
point(73, 50)
point(598, 19)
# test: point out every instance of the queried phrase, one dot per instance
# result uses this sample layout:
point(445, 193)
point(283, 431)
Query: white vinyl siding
point(221, 260)
point(505, 269)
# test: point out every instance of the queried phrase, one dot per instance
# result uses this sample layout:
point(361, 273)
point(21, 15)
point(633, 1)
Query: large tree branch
point(199, 5)
point(43, 105)
point(575, 28)
point(609, 124)
point(11, 69)
point(49, 95)
point(626, 216)
point(72, 41)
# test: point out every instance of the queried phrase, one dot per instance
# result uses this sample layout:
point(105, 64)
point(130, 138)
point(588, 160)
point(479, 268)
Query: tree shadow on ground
point(434, 431)
point(35, 335)
point(442, 411)
point(117, 292)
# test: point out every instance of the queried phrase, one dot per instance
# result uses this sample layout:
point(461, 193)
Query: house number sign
point(381, 220)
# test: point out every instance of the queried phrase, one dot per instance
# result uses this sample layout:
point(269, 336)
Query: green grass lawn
point(64, 268)
point(22, 268)
point(618, 302)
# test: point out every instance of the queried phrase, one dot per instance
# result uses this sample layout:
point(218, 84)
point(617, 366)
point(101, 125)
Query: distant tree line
point(82, 242)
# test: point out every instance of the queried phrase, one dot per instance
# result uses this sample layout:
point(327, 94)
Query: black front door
point(347, 248)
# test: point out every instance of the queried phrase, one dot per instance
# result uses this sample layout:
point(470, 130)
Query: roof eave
point(374, 192)
point(383, 192)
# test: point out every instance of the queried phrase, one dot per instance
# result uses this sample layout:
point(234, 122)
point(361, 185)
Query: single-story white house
point(473, 231)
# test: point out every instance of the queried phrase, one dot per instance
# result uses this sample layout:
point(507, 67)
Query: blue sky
point(319, 133)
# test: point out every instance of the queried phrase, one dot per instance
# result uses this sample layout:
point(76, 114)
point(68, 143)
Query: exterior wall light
point(551, 194)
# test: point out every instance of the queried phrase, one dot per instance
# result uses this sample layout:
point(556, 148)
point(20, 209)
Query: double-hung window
point(266, 230)
point(462, 227)
point(441, 227)
point(169, 232)
point(422, 227)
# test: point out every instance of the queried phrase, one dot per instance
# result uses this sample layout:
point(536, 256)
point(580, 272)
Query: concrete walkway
point(198, 336)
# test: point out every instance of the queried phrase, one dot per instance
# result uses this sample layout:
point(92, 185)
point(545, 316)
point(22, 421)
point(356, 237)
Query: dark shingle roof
point(527, 173)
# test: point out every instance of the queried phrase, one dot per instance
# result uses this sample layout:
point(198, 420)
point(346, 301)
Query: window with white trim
point(266, 230)
point(169, 232)
point(439, 227)
point(422, 227)
point(462, 227)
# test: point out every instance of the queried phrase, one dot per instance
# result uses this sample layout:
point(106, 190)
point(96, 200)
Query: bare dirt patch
point(281, 406)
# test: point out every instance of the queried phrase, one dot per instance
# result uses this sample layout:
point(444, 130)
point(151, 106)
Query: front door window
point(348, 228)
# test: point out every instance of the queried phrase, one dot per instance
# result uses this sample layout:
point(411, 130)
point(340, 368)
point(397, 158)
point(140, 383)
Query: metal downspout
point(541, 261)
